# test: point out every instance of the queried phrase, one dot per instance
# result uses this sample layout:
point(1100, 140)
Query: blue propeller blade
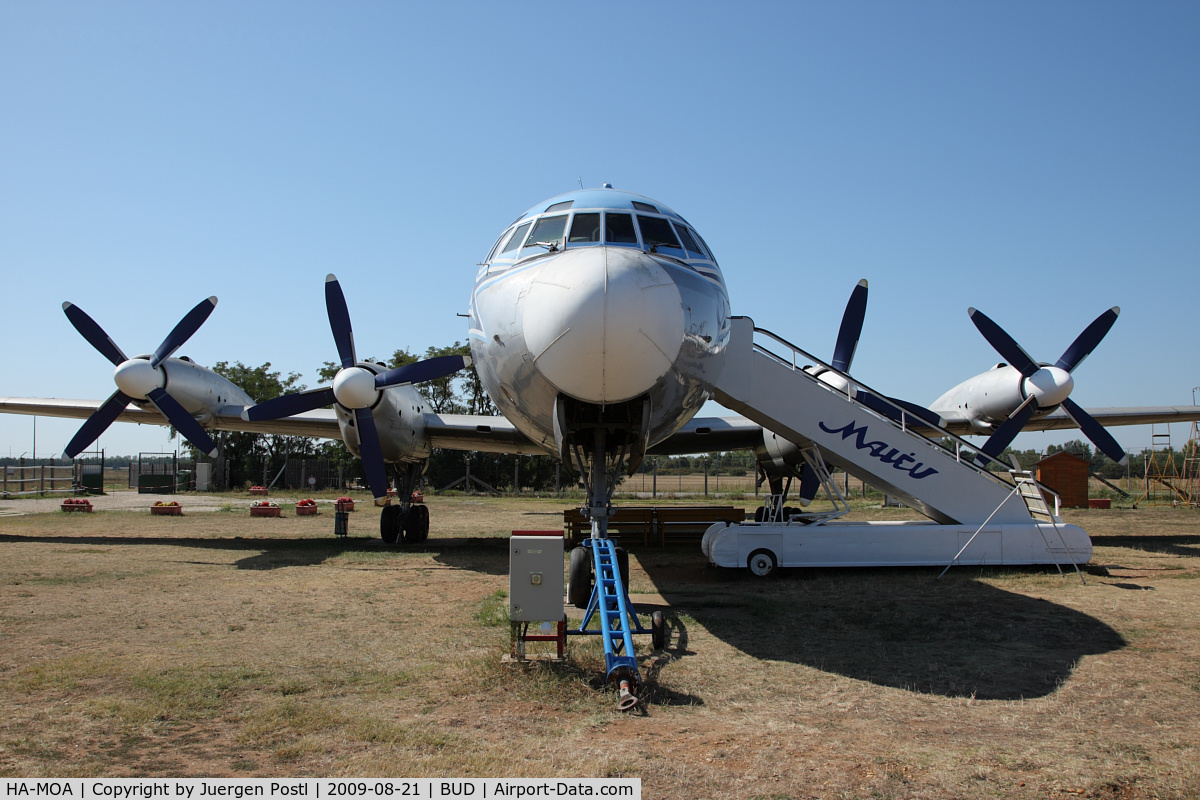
point(1095, 431)
point(421, 371)
point(290, 404)
point(183, 421)
point(810, 483)
point(851, 328)
point(97, 423)
point(339, 321)
point(187, 326)
point(94, 334)
point(1004, 435)
point(1004, 344)
point(1086, 342)
point(371, 453)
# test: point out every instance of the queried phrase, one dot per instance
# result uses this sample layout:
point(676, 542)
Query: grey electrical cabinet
point(535, 576)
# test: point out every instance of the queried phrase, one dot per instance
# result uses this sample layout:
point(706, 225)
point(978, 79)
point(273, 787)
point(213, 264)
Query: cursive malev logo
point(905, 462)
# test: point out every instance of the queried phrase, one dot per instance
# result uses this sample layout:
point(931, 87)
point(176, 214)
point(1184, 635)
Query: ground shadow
point(1186, 546)
point(481, 555)
point(957, 637)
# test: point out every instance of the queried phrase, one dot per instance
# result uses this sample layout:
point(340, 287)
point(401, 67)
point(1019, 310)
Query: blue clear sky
point(1040, 161)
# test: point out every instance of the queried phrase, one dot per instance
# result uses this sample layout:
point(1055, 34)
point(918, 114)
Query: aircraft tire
point(418, 524)
point(391, 524)
point(579, 577)
point(658, 630)
point(762, 563)
point(623, 566)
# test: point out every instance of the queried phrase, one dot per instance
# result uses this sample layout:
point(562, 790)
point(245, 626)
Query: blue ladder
point(618, 621)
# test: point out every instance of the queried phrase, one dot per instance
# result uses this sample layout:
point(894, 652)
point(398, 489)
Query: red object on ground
point(1099, 502)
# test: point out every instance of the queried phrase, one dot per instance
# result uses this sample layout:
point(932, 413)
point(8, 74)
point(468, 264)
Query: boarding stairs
point(764, 380)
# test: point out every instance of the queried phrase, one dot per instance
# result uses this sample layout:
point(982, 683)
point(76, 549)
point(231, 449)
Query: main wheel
point(579, 577)
point(391, 522)
point(623, 566)
point(416, 527)
point(658, 630)
point(762, 563)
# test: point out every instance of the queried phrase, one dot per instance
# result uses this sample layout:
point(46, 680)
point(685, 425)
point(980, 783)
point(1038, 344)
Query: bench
point(653, 526)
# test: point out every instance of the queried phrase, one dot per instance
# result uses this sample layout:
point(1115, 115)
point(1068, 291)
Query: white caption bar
point(316, 788)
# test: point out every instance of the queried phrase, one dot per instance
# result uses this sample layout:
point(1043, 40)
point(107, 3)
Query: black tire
point(762, 563)
point(759, 513)
point(623, 566)
point(416, 528)
point(658, 630)
point(391, 523)
point(579, 577)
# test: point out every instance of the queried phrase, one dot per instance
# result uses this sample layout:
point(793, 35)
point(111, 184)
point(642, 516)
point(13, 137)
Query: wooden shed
point(1066, 474)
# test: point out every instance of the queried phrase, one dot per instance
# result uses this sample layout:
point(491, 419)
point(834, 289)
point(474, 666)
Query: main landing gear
point(405, 522)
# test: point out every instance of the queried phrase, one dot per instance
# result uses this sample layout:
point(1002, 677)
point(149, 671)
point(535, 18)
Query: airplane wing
point(1131, 415)
point(450, 431)
point(710, 435)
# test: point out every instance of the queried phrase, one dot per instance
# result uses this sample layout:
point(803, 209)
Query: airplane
point(598, 323)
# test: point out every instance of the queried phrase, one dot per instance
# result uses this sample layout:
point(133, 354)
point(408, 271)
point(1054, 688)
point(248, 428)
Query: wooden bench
point(648, 525)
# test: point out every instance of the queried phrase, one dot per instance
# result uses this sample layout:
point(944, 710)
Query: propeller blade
point(1086, 342)
point(95, 336)
point(1095, 431)
point(98, 422)
point(810, 484)
point(920, 412)
point(339, 320)
point(1004, 344)
point(187, 326)
point(1004, 435)
point(183, 421)
point(421, 371)
point(289, 405)
point(851, 328)
point(876, 404)
point(371, 453)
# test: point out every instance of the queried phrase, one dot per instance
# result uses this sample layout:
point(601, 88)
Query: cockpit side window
point(585, 229)
point(547, 235)
point(656, 233)
point(515, 240)
point(689, 243)
point(618, 229)
point(495, 247)
point(704, 244)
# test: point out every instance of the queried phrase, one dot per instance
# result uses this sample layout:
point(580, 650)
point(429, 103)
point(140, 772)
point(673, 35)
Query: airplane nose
point(603, 324)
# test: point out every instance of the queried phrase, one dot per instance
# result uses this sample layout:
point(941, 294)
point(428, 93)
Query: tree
point(246, 454)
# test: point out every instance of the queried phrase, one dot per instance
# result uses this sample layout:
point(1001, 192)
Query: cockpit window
point(585, 228)
point(704, 244)
point(547, 235)
point(515, 240)
point(644, 207)
point(656, 232)
point(618, 229)
point(560, 206)
point(689, 243)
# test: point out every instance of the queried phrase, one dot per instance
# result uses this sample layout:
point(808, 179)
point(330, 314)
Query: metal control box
point(535, 576)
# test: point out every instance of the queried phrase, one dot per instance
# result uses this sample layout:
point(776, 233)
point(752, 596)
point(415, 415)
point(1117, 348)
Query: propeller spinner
point(1047, 385)
point(141, 378)
point(355, 388)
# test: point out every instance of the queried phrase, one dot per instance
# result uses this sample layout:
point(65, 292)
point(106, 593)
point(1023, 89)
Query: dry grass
point(214, 644)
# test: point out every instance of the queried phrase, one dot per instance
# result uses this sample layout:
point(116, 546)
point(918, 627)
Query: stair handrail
point(852, 384)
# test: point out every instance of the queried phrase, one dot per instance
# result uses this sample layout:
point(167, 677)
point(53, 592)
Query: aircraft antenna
point(580, 179)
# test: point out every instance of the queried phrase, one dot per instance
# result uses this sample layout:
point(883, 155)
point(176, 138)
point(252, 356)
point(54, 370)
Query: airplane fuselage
point(600, 298)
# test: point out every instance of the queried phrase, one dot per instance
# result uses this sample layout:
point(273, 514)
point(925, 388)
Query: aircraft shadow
point(1187, 546)
point(900, 628)
point(481, 555)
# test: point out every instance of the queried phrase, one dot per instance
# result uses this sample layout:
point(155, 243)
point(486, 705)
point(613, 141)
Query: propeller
point(1046, 385)
point(355, 388)
point(140, 379)
point(843, 356)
